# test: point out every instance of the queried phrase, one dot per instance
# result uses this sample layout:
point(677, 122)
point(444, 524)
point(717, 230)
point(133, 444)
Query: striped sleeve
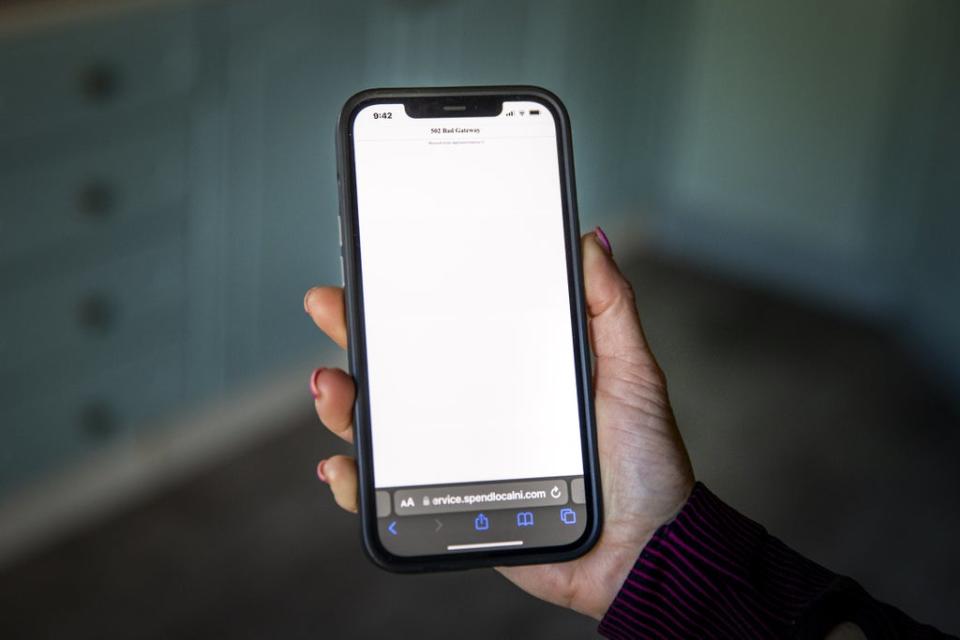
point(713, 573)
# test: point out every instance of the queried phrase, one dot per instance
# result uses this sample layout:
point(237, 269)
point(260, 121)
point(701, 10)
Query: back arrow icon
point(392, 527)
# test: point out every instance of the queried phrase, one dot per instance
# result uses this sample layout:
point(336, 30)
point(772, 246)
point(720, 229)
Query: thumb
point(615, 331)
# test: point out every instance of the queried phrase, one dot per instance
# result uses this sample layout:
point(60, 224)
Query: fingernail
point(603, 240)
point(306, 297)
point(320, 473)
point(314, 390)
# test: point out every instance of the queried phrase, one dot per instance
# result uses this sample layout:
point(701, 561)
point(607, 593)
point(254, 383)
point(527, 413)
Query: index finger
point(325, 306)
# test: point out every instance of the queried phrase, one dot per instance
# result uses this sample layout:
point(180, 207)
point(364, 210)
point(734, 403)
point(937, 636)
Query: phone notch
point(453, 106)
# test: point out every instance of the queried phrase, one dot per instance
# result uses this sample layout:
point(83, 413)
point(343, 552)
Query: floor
point(814, 424)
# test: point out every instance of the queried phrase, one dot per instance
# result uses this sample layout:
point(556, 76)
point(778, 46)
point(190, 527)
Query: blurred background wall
point(167, 194)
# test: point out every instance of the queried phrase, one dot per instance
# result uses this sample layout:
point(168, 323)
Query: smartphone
point(466, 324)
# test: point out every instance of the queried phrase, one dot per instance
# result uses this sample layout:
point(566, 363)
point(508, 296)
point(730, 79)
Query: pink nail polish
point(320, 473)
point(314, 390)
point(603, 240)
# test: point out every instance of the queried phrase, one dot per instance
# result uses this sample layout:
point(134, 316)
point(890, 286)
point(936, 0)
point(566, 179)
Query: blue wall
point(167, 184)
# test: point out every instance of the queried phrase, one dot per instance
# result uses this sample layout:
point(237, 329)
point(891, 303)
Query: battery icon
point(534, 112)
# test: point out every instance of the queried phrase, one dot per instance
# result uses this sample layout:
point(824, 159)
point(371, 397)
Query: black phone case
point(350, 261)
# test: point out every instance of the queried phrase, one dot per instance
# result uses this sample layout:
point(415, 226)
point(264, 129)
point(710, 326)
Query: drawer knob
point(98, 420)
point(96, 313)
point(96, 200)
point(100, 82)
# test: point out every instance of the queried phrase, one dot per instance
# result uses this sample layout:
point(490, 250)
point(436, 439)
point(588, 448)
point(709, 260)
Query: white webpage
point(470, 352)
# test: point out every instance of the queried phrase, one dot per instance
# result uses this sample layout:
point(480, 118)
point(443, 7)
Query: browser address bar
point(504, 495)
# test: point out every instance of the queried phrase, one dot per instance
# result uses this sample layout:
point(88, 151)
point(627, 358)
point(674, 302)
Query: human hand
point(645, 471)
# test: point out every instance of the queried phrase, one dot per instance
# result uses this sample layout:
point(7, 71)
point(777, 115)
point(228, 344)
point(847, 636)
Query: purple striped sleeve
point(713, 573)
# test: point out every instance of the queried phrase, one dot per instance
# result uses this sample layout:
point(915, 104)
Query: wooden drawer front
point(86, 310)
point(87, 196)
point(55, 75)
point(86, 410)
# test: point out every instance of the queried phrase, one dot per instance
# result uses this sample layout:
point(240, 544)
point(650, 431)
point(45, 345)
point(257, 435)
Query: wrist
point(624, 542)
point(711, 568)
point(616, 563)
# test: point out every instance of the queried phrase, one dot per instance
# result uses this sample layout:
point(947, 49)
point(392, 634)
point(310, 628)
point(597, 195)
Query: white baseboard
point(79, 496)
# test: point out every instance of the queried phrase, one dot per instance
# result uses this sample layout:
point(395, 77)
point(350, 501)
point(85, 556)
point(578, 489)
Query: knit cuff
point(714, 573)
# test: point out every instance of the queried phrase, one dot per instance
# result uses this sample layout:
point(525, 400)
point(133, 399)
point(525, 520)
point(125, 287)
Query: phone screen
point(475, 419)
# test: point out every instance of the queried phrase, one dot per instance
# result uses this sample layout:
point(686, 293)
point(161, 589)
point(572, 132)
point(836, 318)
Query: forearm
point(713, 573)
